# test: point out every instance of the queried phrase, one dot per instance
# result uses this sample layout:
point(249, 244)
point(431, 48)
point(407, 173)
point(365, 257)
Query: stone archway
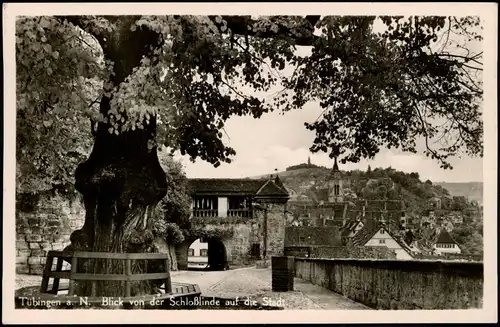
point(218, 254)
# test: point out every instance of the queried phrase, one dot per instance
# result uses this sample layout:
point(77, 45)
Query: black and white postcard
point(270, 162)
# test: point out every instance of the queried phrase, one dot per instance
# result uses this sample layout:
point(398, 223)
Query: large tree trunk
point(121, 182)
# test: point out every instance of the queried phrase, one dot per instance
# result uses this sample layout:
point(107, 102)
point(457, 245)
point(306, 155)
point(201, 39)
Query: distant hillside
point(297, 172)
point(407, 187)
point(305, 176)
point(307, 185)
point(472, 190)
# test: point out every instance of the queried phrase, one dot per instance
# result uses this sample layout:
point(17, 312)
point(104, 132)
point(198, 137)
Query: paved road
point(255, 284)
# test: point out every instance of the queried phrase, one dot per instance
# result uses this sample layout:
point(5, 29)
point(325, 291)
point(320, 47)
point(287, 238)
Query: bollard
point(282, 273)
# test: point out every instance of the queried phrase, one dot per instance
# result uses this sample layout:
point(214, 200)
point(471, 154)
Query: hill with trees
point(471, 190)
point(379, 184)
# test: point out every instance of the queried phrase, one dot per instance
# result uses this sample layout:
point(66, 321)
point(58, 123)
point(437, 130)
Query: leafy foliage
point(386, 88)
point(169, 231)
point(384, 184)
point(469, 237)
point(57, 86)
point(216, 232)
point(301, 166)
point(378, 89)
point(173, 211)
point(176, 205)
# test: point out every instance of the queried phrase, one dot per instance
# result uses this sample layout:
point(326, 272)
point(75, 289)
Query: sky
point(277, 141)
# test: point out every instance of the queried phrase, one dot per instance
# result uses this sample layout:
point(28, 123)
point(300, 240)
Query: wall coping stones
point(472, 269)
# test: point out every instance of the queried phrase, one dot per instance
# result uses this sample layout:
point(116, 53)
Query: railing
point(205, 212)
point(126, 276)
point(245, 213)
point(239, 213)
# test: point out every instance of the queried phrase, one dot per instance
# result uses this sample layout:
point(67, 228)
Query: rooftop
point(237, 186)
point(445, 237)
point(369, 230)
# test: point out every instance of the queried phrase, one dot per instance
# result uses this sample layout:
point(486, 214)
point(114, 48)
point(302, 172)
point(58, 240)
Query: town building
point(377, 234)
point(414, 248)
point(198, 253)
point(336, 204)
point(337, 185)
point(350, 229)
point(246, 218)
point(445, 244)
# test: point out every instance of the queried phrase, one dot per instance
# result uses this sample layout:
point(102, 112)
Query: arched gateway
point(241, 220)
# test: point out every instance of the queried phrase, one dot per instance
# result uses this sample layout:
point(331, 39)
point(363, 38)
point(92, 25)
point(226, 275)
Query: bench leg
point(45, 279)
point(55, 285)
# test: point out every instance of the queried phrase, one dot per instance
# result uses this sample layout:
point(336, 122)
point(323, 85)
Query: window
point(190, 252)
point(382, 231)
point(302, 239)
point(336, 189)
point(204, 252)
point(382, 241)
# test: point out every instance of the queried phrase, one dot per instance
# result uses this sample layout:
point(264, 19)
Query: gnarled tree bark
point(121, 182)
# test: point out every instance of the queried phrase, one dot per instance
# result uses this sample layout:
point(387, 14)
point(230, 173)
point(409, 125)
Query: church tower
point(335, 184)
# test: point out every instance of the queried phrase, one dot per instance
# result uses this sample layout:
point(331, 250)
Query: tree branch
point(240, 25)
point(85, 23)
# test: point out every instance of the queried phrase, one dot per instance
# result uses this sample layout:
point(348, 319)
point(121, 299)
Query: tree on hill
point(470, 237)
point(173, 80)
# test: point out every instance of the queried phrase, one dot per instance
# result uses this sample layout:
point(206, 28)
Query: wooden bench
point(73, 274)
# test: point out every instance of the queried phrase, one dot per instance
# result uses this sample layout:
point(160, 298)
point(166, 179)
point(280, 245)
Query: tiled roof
point(445, 237)
point(271, 188)
point(279, 183)
point(349, 227)
point(369, 230)
point(365, 234)
point(225, 185)
point(237, 186)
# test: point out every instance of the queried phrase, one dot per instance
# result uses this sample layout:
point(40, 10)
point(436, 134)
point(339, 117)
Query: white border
point(488, 11)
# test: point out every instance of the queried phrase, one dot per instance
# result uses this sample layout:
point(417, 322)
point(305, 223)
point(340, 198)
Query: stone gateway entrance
point(241, 220)
point(209, 254)
point(217, 255)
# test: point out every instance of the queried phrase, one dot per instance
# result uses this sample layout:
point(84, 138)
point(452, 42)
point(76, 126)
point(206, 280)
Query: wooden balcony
point(246, 213)
point(205, 212)
point(200, 213)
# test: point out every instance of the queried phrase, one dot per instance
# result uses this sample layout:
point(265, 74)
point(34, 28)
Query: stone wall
point(398, 284)
point(276, 222)
point(365, 252)
point(44, 223)
point(246, 233)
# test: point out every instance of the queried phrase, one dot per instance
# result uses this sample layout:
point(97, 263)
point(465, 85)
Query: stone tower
point(335, 184)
